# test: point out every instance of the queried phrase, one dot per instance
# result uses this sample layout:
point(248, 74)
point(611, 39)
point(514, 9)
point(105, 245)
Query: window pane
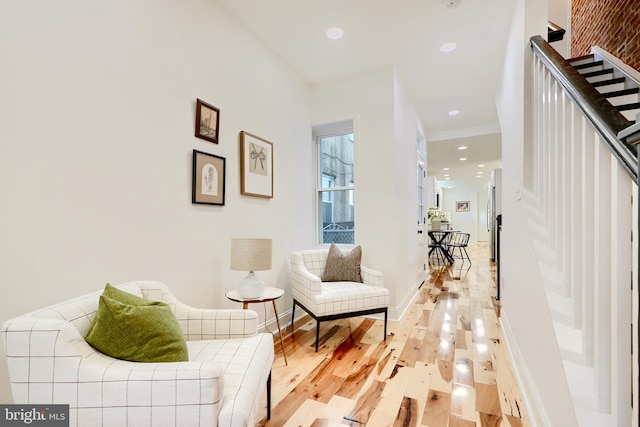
point(337, 217)
point(327, 182)
point(420, 194)
point(336, 160)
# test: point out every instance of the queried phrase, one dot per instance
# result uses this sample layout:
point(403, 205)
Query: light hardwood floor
point(444, 364)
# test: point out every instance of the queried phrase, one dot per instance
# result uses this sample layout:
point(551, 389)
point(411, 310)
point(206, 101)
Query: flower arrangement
point(438, 214)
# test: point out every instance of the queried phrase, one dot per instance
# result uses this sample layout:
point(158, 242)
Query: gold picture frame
point(256, 166)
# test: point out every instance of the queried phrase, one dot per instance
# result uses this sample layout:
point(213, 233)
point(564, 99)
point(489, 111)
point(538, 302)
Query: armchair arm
point(50, 362)
point(371, 277)
point(302, 280)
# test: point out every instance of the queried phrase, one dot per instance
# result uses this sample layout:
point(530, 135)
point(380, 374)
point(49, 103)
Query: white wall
point(96, 137)
point(473, 222)
point(411, 259)
point(385, 132)
point(526, 319)
point(560, 14)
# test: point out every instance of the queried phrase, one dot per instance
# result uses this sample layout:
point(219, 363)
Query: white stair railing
point(581, 199)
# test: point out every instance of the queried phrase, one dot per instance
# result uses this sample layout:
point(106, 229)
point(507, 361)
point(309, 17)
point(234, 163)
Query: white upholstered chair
point(326, 301)
point(222, 384)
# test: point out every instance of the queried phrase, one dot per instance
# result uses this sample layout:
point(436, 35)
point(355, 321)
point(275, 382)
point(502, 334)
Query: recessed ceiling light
point(445, 169)
point(454, 113)
point(447, 178)
point(480, 166)
point(446, 174)
point(451, 4)
point(462, 147)
point(335, 33)
point(462, 159)
point(448, 47)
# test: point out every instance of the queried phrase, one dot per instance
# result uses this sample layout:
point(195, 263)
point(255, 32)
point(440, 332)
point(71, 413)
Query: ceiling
point(406, 35)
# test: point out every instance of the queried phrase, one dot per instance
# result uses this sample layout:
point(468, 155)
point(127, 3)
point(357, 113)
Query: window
point(421, 153)
point(421, 212)
point(335, 184)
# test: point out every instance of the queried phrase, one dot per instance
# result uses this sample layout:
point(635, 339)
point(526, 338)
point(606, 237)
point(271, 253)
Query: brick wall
point(614, 25)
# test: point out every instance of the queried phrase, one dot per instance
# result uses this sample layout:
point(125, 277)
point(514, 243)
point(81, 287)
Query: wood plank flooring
point(443, 365)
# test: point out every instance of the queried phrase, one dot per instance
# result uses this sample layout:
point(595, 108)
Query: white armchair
point(222, 384)
point(326, 301)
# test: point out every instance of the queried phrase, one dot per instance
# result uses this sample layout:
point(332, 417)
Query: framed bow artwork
point(256, 166)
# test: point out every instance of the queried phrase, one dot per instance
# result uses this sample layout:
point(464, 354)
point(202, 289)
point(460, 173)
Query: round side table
point(269, 294)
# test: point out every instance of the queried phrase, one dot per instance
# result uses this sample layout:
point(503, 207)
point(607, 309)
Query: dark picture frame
point(207, 121)
point(463, 206)
point(256, 166)
point(208, 184)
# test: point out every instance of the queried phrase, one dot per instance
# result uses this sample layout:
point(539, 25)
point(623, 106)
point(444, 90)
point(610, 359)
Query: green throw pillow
point(342, 267)
point(132, 328)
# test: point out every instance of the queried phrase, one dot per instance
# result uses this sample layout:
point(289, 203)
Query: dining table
point(438, 244)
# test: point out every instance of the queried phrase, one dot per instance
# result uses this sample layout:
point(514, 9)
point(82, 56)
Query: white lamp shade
point(251, 255)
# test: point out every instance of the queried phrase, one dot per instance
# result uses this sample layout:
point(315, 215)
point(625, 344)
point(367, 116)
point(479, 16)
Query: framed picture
point(463, 206)
point(207, 121)
point(256, 166)
point(208, 179)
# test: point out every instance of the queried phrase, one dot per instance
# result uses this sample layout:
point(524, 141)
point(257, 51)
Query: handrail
point(555, 33)
point(605, 118)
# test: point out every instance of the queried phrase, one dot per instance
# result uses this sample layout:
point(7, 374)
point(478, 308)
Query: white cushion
point(346, 297)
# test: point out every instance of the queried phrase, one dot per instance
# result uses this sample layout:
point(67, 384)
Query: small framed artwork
point(256, 166)
point(208, 179)
point(207, 121)
point(463, 206)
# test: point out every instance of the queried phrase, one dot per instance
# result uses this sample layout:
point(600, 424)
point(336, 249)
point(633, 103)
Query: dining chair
point(459, 241)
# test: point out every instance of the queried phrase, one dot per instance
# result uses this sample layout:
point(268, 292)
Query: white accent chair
point(222, 384)
point(326, 301)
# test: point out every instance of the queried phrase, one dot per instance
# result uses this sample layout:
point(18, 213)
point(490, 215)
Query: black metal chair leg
point(466, 253)
point(269, 396)
point(317, 334)
point(293, 316)
point(385, 324)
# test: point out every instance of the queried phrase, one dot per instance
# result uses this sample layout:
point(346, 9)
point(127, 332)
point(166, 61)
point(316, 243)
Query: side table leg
point(275, 311)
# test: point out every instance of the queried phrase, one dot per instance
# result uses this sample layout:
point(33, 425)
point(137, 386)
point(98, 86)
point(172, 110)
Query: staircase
point(581, 198)
point(620, 89)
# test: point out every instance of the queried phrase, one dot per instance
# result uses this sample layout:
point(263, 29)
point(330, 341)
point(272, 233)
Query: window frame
point(319, 132)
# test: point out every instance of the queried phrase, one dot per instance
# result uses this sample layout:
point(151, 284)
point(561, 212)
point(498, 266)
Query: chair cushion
point(132, 328)
point(341, 267)
point(347, 297)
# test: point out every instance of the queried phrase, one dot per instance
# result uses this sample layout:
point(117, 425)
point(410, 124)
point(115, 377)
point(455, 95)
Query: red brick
point(613, 25)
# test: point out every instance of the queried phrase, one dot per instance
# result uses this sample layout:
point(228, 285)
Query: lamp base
point(251, 286)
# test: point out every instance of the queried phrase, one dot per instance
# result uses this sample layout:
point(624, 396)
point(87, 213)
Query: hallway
point(445, 364)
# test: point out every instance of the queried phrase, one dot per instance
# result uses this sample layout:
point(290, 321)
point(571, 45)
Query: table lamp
point(251, 255)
